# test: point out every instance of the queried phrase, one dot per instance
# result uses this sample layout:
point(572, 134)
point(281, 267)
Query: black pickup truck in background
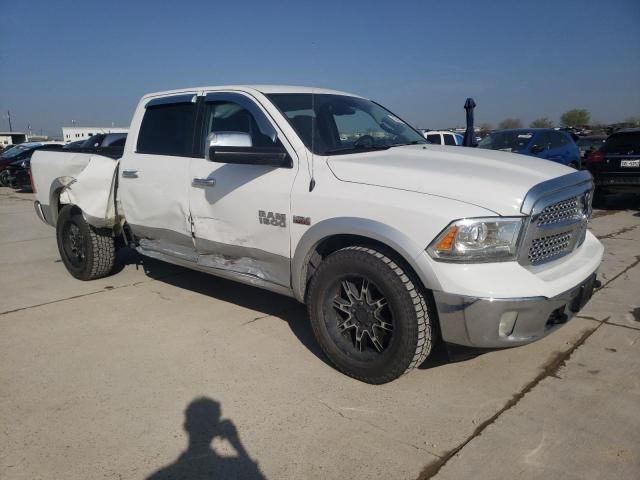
point(107, 144)
point(615, 166)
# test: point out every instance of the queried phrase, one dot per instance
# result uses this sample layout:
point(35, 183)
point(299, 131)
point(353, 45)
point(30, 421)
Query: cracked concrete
point(558, 360)
point(95, 378)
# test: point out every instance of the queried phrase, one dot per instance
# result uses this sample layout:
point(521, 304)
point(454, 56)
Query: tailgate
point(622, 152)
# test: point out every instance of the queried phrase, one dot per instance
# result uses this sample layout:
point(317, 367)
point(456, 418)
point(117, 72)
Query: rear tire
point(4, 178)
point(87, 252)
point(369, 316)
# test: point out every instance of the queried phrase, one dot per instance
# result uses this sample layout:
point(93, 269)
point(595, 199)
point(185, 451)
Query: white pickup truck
point(328, 197)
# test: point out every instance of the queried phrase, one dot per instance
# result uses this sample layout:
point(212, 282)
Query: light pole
point(9, 118)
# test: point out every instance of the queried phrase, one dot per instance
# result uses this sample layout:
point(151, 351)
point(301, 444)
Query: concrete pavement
point(127, 375)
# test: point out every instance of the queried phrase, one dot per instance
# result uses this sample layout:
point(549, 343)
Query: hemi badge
point(301, 220)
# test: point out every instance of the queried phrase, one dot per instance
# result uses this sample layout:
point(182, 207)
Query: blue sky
point(91, 61)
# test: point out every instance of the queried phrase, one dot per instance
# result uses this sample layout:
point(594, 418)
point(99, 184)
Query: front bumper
point(629, 180)
point(507, 322)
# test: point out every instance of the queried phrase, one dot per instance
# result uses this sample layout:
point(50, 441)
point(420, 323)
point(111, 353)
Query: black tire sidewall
point(70, 214)
point(395, 360)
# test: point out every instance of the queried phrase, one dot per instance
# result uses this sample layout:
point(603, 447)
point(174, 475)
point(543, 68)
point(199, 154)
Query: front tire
point(369, 316)
point(87, 252)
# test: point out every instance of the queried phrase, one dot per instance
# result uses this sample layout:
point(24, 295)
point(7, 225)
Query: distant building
point(39, 138)
point(73, 134)
point(12, 138)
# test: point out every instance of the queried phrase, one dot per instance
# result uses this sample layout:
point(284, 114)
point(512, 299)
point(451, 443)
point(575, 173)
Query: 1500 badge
point(271, 218)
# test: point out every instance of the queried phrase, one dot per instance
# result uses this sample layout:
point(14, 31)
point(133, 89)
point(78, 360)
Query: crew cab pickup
point(393, 243)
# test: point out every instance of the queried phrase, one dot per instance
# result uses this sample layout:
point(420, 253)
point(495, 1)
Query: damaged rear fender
point(93, 190)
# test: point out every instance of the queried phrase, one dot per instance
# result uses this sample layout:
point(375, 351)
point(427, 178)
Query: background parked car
point(109, 144)
point(100, 140)
point(74, 145)
point(590, 143)
point(16, 175)
point(443, 137)
point(616, 165)
point(17, 155)
point(547, 143)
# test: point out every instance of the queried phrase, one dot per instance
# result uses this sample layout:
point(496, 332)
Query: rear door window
point(544, 140)
point(434, 138)
point(556, 140)
point(168, 129)
point(449, 139)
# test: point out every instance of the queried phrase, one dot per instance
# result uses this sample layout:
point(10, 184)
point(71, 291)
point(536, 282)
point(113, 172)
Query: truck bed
point(83, 179)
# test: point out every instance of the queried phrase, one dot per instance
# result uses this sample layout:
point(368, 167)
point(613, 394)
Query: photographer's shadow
point(200, 461)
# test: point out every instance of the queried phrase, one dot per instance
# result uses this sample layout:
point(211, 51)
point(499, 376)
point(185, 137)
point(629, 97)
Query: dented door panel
point(234, 222)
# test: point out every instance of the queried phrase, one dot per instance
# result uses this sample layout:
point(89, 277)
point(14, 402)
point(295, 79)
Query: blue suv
point(555, 145)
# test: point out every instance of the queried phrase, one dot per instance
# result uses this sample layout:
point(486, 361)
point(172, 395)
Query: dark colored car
point(15, 153)
point(100, 140)
point(589, 144)
point(555, 145)
point(17, 175)
point(74, 145)
point(15, 156)
point(107, 144)
point(616, 165)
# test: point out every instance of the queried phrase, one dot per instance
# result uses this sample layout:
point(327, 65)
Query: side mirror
point(537, 149)
point(237, 147)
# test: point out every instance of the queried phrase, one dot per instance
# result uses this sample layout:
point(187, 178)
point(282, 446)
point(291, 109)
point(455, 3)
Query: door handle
point(203, 182)
point(130, 174)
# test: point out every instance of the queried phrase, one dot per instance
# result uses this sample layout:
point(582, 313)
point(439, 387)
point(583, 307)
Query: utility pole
point(9, 117)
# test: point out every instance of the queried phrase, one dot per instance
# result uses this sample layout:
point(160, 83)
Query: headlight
point(493, 239)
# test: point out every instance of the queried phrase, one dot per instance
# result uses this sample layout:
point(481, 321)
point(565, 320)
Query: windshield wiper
point(357, 149)
point(415, 142)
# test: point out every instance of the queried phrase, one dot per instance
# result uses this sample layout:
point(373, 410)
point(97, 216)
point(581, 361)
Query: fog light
point(507, 323)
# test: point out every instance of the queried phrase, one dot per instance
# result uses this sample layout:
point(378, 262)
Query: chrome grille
point(558, 211)
point(545, 248)
point(566, 210)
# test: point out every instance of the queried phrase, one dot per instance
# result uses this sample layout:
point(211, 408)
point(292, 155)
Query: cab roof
point(265, 89)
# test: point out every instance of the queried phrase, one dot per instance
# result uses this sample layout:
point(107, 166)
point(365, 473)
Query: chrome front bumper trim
point(475, 322)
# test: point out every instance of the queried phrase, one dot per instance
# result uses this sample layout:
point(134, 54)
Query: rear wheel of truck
point(369, 315)
point(87, 252)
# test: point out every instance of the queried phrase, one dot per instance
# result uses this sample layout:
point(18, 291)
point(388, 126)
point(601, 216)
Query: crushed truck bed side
point(83, 179)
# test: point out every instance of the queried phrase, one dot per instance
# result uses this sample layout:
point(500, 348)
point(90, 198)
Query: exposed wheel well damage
point(56, 197)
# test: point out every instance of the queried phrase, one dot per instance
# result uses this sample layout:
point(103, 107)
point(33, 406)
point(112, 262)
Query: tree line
point(577, 117)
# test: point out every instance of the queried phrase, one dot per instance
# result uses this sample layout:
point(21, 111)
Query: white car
point(443, 137)
point(327, 197)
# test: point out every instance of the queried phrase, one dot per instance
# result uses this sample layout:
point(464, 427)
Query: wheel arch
point(333, 234)
point(60, 195)
point(56, 199)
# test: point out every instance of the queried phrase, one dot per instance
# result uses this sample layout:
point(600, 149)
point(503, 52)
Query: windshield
point(590, 142)
point(509, 140)
point(343, 124)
